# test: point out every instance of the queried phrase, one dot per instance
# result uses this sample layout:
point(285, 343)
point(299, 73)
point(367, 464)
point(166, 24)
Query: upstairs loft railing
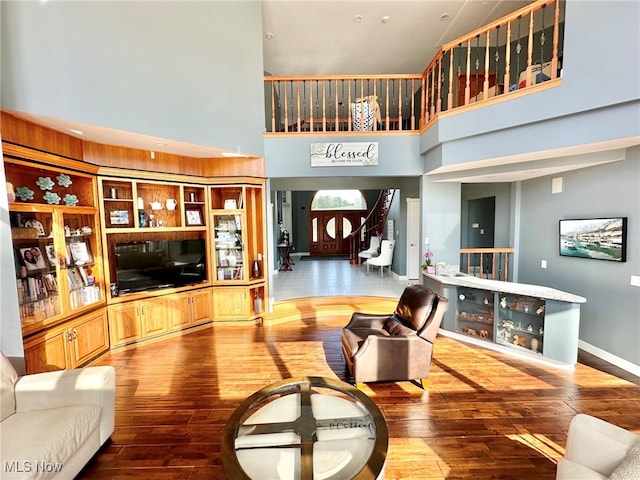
point(504, 59)
point(492, 263)
point(343, 103)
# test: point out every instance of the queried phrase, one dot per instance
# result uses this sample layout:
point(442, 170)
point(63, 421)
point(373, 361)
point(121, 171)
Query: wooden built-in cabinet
point(238, 246)
point(139, 320)
point(72, 209)
point(68, 346)
point(134, 321)
point(190, 308)
point(57, 253)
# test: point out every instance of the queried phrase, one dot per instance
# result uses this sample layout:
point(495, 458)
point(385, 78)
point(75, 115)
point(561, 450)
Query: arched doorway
point(334, 215)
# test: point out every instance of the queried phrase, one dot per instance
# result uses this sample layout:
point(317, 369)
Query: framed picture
point(119, 217)
point(194, 217)
point(32, 258)
point(51, 254)
point(80, 253)
point(597, 238)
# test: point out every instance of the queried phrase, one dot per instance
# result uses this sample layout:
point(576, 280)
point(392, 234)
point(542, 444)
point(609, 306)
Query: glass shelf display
point(475, 313)
point(229, 255)
point(521, 322)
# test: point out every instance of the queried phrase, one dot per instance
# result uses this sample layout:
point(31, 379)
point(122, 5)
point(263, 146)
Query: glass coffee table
point(306, 428)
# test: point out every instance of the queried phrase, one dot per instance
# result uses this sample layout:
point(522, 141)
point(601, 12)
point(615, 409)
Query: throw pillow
point(629, 469)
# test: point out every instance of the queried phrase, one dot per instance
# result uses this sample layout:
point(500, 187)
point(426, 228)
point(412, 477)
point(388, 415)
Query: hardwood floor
point(485, 415)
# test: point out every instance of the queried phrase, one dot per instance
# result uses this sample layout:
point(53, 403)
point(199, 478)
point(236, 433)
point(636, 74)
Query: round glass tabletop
point(307, 428)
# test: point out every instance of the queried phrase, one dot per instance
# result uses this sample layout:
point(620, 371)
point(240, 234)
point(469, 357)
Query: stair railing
point(372, 225)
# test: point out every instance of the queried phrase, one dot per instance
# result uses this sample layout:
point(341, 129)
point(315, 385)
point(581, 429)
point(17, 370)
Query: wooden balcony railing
point(343, 104)
point(510, 55)
point(490, 263)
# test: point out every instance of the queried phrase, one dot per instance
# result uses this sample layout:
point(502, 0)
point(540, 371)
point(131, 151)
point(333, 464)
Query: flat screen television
point(151, 265)
point(597, 238)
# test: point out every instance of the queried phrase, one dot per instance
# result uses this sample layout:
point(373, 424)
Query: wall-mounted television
point(597, 238)
point(151, 265)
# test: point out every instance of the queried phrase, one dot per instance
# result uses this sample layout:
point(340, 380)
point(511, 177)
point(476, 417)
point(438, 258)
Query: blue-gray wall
point(186, 70)
point(610, 319)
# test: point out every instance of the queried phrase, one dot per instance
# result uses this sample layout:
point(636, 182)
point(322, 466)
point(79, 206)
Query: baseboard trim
point(610, 357)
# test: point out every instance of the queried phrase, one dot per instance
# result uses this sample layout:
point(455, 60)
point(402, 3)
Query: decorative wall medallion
point(52, 198)
point(70, 200)
point(45, 183)
point(64, 180)
point(24, 193)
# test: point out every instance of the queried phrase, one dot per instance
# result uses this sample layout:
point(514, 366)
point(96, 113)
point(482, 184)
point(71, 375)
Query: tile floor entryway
point(333, 277)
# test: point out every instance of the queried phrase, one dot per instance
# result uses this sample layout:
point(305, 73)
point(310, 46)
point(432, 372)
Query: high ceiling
point(317, 37)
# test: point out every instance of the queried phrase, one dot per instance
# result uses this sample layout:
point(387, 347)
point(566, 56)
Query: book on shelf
point(41, 309)
point(31, 289)
point(84, 296)
point(77, 277)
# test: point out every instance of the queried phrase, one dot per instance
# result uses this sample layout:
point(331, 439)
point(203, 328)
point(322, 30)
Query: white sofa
point(52, 423)
point(599, 450)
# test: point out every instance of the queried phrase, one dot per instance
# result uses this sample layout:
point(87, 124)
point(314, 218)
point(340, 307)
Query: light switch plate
point(635, 280)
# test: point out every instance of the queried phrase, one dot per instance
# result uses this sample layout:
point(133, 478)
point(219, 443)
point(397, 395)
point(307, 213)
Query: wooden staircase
point(372, 225)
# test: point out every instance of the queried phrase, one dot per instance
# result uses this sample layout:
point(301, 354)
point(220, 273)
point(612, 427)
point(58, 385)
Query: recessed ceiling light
point(269, 35)
point(444, 16)
point(160, 144)
point(77, 132)
point(357, 18)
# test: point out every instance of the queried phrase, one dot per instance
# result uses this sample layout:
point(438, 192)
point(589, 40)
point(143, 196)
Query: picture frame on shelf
point(80, 253)
point(119, 217)
point(32, 258)
point(193, 217)
point(51, 254)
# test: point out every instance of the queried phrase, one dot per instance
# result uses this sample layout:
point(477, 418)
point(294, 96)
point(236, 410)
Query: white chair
point(385, 258)
point(372, 251)
point(599, 450)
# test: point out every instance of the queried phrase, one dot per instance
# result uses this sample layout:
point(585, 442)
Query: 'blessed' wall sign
point(351, 154)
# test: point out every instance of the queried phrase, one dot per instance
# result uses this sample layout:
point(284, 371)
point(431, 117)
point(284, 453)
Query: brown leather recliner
point(398, 346)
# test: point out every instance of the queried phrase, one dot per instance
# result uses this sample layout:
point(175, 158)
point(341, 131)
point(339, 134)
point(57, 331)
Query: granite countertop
point(464, 280)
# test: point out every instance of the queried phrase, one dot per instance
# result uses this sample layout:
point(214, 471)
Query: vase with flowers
point(427, 265)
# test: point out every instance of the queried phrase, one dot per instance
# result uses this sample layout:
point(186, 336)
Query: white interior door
point(413, 238)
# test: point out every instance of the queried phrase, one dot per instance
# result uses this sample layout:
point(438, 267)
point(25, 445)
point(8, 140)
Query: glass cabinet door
point(474, 316)
point(229, 247)
point(81, 245)
point(38, 267)
point(521, 322)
